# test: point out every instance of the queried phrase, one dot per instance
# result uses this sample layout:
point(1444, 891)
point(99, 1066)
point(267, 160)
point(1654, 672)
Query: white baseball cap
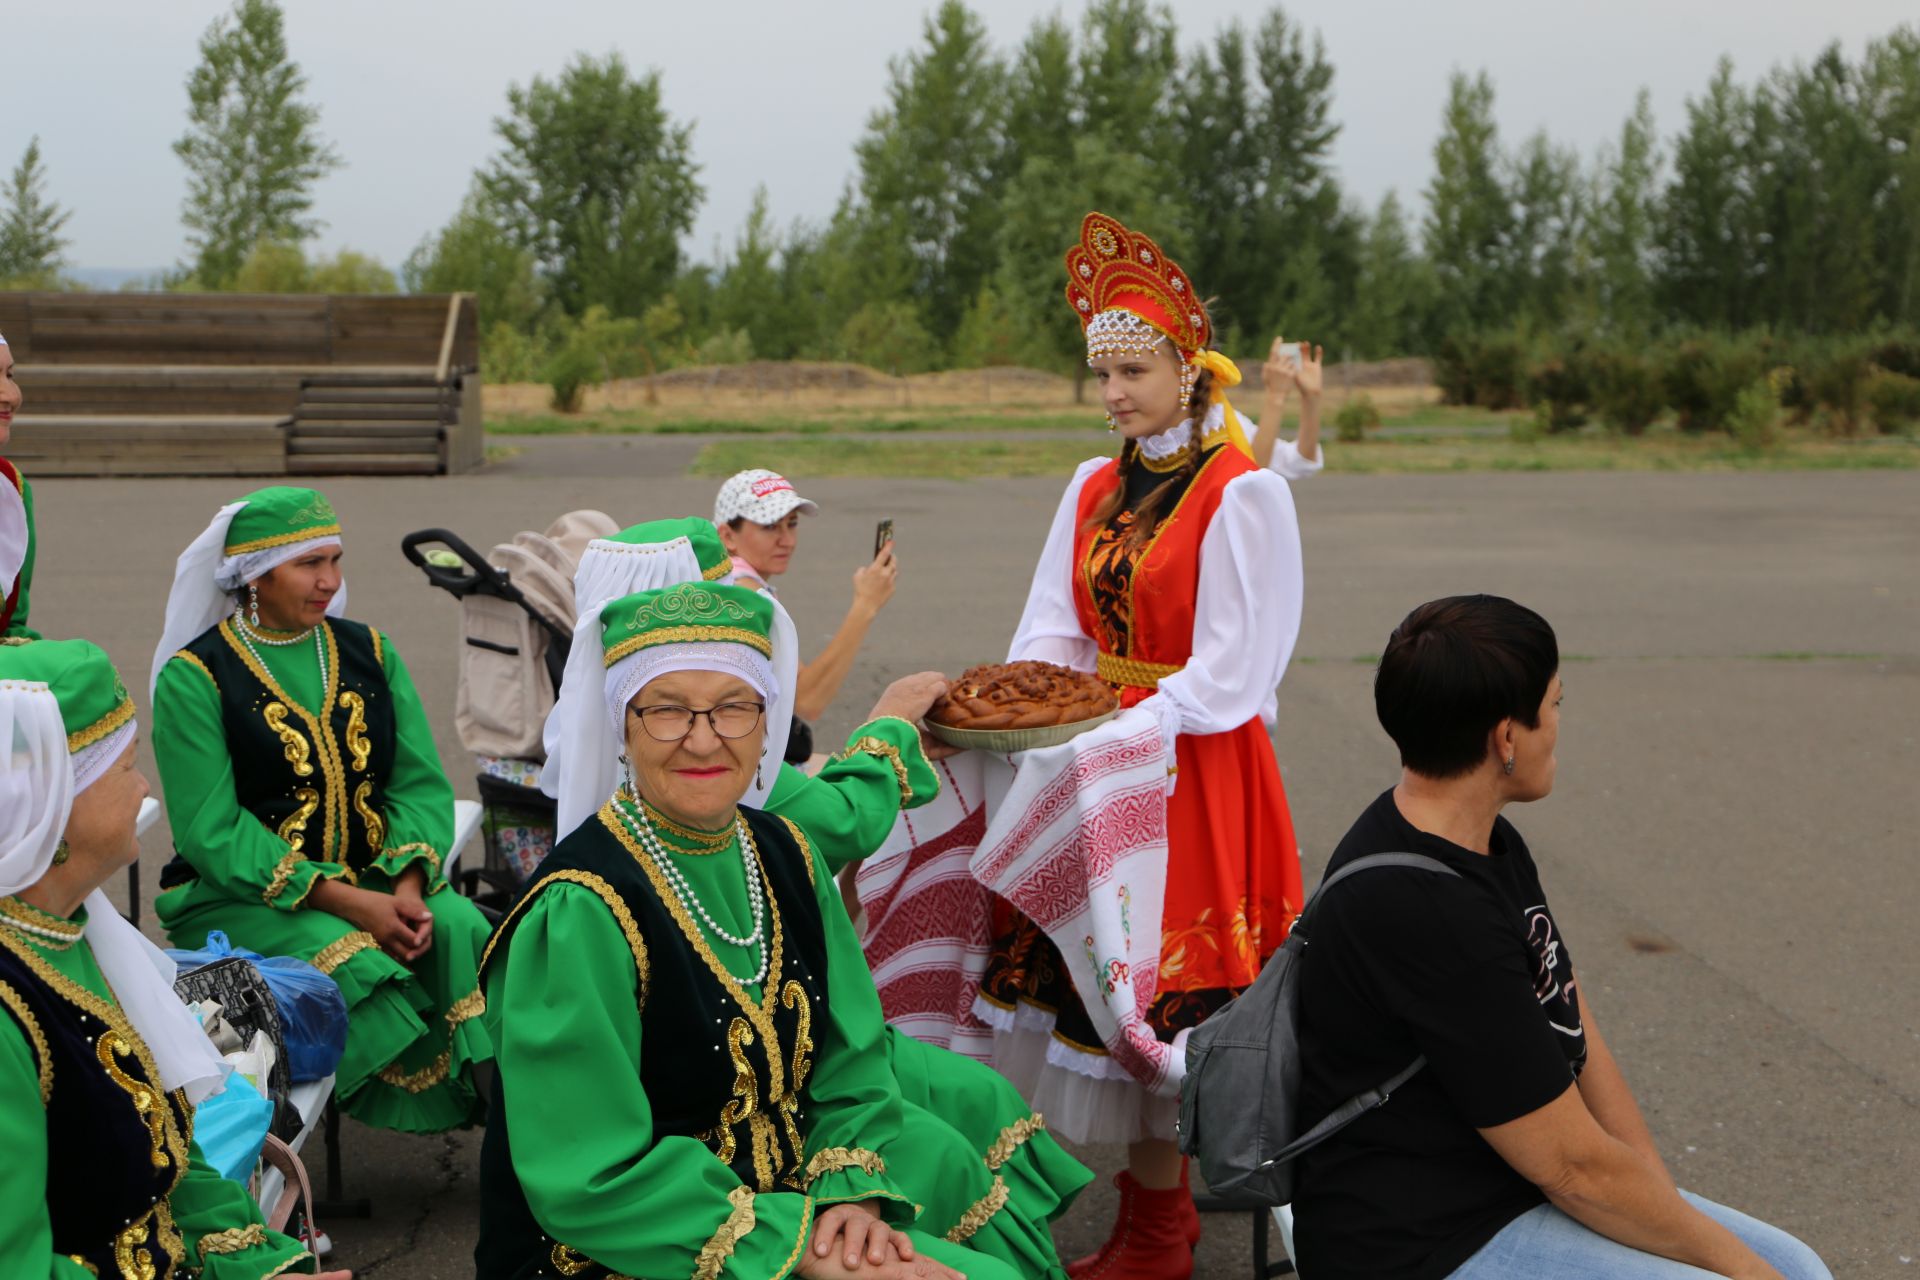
point(764, 497)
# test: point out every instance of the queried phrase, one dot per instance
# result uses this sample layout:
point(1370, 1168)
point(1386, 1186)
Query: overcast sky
point(778, 92)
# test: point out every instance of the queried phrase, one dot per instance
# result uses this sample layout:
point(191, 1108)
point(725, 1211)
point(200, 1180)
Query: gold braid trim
point(283, 1268)
point(985, 1207)
point(1133, 672)
point(198, 665)
point(418, 1081)
point(232, 1241)
point(419, 850)
point(470, 1005)
point(881, 749)
point(283, 539)
point(800, 838)
point(1012, 1137)
point(282, 875)
point(16, 1002)
point(607, 894)
point(691, 633)
point(337, 952)
point(719, 1247)
point(105, 725)
point(837, 1159)
point(718, 571)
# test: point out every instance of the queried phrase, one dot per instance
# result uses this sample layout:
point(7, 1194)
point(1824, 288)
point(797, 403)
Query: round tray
point(1006, 741)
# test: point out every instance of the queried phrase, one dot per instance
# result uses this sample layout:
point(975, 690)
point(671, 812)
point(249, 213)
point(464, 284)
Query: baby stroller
point(516, 621)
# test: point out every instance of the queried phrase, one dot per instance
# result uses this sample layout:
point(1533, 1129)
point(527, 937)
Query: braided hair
point(1157, 505)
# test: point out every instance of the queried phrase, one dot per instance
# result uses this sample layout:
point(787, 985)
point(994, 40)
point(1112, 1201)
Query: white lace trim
point(1169, 442)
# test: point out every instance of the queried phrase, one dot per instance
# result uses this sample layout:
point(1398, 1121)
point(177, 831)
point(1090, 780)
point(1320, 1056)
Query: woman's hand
point(403, 928)
point(1309, 376)
point(1276, 376)
point(334, 1275)
point(910, 698)
point(409, 900)
point(873, 584)
point(870, 1249)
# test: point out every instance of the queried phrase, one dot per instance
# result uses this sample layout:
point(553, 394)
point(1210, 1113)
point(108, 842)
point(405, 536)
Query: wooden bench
point(245, 384)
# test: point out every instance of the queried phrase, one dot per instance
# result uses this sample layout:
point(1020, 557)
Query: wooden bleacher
point(245, 384)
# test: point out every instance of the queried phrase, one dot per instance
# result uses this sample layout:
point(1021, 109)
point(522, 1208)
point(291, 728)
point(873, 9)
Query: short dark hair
point(1455, 668)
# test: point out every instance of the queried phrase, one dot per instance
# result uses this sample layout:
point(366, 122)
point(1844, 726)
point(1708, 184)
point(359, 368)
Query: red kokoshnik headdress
point(1129, 296)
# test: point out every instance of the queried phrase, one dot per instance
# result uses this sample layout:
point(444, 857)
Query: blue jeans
point(1546, 1242)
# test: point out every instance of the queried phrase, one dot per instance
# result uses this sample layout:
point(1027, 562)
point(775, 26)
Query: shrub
point(725, 346)
point(1755, 418)
point(1703, 376)
point(569, 372)
point(1488, 368)
point(1897, 353)
point(1355, 416)
point(1627, 394)
point(1893, 399)
point(1835, 372)
point(1560, 385)
point(1529, 428)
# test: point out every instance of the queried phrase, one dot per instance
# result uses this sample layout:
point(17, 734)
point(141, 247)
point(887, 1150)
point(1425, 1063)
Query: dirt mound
point(763, 376)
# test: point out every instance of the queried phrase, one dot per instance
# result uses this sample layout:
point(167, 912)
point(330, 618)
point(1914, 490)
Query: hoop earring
point(253, 604)
point(61, 853)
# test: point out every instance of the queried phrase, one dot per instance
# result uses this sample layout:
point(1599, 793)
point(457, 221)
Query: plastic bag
point(313, 1013)
point(230, 1126)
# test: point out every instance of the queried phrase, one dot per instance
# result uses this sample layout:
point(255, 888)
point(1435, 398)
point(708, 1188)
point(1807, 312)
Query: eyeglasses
point(668, 723)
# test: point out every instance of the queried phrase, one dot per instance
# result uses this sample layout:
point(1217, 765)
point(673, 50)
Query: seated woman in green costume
point(17, 548)
point(100, 1063)
point(691, 1080)
point(845, 811)
point(309, 808)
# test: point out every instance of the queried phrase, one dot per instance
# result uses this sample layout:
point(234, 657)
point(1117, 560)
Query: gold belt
point(1132, 671)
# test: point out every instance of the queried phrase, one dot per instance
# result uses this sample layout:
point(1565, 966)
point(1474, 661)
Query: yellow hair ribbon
point(1225, 374)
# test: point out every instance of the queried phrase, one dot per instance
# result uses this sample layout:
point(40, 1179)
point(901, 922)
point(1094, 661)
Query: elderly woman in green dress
point(308, 806)
point(692, 1077)
point(100, 1064)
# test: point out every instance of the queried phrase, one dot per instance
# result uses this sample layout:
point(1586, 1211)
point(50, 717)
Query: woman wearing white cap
point(758, 515)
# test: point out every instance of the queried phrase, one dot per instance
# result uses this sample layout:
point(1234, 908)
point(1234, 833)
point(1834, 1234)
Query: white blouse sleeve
point(1049, 628)
point(1247, 612)
point(1287, 460)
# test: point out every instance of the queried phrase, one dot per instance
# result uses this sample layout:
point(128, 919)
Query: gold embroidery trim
point(881, 749)
point(379, 647)
point(332, 770)
point(703, 842)
point(283, 869)
point(357, 742)
point(25, 912)
point(376, 825)
point(110, 1014)
point(718, 571)
point(470, 1005)
point(838, 1159)
point(976, 1217)
point(337, 952)
point(103, 727)
point(1012, 1138)
point(688, 635)
point(283, 539)
point(1133, 671)
point(18, 1003)
point(193, 661)
point(232, 1241)
point(323, 873)
point(416, 850)
point(80, 1261)
point(292, 745)
point(800, 838)
point(418, 1081)
point(283, 1268)
point(719, 1247)
point(607, 894)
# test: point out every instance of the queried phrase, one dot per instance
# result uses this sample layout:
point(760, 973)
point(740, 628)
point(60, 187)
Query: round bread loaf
point(1022, 695)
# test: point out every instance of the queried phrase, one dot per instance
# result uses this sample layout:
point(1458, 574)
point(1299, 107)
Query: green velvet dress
point(284, 765)
point(205, 1226)
point(594, 989)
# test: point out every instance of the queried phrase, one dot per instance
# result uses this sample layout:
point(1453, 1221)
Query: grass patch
point(913, 459)
point(853, 423)
point(1668, 451)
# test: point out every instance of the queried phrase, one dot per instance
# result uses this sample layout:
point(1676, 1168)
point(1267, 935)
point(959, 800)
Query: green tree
point(1042, 99)
point(350, 271)
point(890, 337)
point(1221, 174)
point(597, 181)
point(32, 250)
point(1543, 243)
point(272, 266)
point(1469, 220)
point(927, 167)
point(1708, 225)
point(472, 254)
point(1393, 291)
point(1621, 229)
point(1890, 83)
point(1129, 55)
point(252, 149)
point(747, 294)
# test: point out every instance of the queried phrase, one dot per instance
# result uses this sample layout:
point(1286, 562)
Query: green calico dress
point(101, 1176)
point(661, 1113)
point(287, 763)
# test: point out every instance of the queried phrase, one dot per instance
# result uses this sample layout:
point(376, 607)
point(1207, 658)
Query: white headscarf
point(13, 537)
point(585, 731)
point(38, 783)
point(205, 575)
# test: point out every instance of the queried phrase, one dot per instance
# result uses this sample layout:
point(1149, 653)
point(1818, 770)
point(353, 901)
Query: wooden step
point(303, 446)
point(364, 431)
point(375, 426)
point(364, 464)
point(371, 395)
point(367, 412)
point(150, 445)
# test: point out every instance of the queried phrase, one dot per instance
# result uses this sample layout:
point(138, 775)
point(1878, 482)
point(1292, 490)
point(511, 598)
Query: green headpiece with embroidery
point(693, 612)
point(279, 515)
point(94, 704)
point(715, 563)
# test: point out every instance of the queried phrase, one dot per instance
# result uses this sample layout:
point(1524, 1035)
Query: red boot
point(1189, 1214)
point(1149, 1240)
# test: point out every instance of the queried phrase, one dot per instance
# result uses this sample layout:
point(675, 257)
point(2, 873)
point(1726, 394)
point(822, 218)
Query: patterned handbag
point(247, 1004)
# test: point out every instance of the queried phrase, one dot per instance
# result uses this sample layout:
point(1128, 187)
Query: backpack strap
point(1360, 1103)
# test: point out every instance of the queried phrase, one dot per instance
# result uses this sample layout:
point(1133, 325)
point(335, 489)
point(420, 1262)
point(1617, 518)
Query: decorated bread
point(1022, 695)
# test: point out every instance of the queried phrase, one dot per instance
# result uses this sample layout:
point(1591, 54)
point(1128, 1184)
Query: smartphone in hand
point(1290, 352)
point(882, 535)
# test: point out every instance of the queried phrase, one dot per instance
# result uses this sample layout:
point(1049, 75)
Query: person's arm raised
point(820, 680)
point(1602, 1183)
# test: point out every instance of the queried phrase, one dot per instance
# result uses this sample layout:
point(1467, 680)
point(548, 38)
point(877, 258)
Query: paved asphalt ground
point(1731, 850)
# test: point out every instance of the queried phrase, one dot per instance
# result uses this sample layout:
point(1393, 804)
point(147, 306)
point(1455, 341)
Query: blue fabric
point(1546, 1242)
point(313, 1013)
point(230, 1127)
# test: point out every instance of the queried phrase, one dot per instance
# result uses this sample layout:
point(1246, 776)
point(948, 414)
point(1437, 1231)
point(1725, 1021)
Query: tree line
point(1788, 202)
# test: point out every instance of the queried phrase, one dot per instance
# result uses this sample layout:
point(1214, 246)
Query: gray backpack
point(1240, 1101)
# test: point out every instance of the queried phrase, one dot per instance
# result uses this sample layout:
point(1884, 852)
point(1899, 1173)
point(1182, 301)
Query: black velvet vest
point(315, 775)
point(716, 1068)
point(116, 1142)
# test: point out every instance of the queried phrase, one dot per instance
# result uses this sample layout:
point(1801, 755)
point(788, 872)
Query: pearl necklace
point(61, 938)
point(259, 634)
point(642, 828)
point(245, 632)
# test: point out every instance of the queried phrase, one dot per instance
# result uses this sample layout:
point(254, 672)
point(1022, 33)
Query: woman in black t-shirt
point(1519, 1150)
